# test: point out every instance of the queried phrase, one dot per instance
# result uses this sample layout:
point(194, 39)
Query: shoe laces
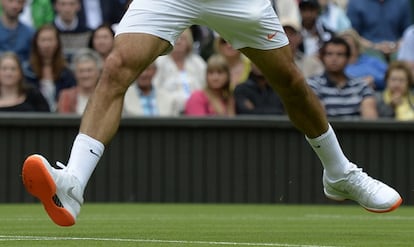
point(360, 183)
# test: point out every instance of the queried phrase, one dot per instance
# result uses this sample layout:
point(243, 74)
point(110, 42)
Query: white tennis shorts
point(243, 23)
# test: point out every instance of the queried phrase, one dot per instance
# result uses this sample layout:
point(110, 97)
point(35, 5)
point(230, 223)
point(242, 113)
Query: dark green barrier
point(244, 160)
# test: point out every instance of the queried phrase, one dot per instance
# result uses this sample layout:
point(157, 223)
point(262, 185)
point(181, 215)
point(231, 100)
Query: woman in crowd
point(87, 65)
point(182, 71)
point(216, 98)
point(239, 64)
point(15, 94)
point(47, 69)
point(102, 40)
point(397, 100)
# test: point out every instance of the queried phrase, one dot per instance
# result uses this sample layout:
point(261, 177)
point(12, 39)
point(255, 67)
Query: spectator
point(397, 101)
point(406, 50)
point(47, 69)
point(216, 98)
point(314, 32)
point(143, 99)
point(102, 40)
point(14, 35)
point(333, 17)
point(255, 96)
point(15, 94)
point(182, 71)
point(340, 95)
point(66, 19)
point(73, 33)
point(239, 64)
point(370, 68)
point(310, 65)
point(87, 65)
point(380, 23)
point(37, 13)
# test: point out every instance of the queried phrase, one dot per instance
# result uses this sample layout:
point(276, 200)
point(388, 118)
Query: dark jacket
point(264, 101)
point(66, 79)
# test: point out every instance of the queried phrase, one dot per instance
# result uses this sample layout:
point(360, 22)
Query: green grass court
point(209, 225)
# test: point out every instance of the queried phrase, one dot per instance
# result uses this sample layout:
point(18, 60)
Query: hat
point(310, 3)
point(289, 22)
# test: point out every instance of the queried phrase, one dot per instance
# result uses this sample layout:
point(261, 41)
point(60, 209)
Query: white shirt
point(26, 15)
point(81, 104)
point(93, 13)
point(406, 51)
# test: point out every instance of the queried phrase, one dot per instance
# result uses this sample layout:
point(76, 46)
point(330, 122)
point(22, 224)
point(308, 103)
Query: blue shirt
point(148, 103)
point(340, 102)
point(406, 50)
point(368, 66)
point(380, 20)
point(17, 40)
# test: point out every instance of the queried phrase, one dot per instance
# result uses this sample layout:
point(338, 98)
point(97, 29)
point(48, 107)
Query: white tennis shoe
point(60, 192)
point(370, 193)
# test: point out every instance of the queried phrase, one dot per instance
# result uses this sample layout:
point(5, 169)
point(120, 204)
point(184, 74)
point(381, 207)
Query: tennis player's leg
point(341, 179)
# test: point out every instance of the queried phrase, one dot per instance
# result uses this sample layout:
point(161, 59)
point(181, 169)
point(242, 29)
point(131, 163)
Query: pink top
point(198, 105)
point(68, 99)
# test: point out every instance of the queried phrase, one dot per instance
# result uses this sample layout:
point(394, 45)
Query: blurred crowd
point(357, 56)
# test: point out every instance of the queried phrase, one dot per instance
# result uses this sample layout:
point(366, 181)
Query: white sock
point(327, 147)
point(84, 157)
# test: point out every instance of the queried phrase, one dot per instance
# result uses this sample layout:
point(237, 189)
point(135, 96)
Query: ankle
point(339, 174)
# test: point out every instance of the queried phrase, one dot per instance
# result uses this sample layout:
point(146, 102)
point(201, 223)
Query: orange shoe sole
point(40, 184)
point(395, 206)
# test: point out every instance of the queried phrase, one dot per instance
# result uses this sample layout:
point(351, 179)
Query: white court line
point(43, 238)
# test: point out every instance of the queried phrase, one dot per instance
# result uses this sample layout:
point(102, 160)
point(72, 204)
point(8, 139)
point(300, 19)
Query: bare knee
point(131, 54)
point(117, 75)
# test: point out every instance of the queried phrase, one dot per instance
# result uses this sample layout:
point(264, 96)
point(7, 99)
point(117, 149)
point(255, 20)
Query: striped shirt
point(344, 101)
